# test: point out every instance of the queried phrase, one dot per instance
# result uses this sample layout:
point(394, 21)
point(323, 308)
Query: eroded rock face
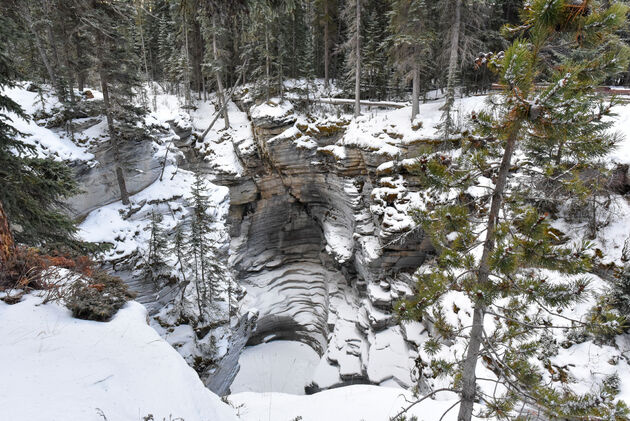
point(317, 240)
point(97, 178)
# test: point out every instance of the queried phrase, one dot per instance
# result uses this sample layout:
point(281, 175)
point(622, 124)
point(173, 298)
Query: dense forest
point(194, 47)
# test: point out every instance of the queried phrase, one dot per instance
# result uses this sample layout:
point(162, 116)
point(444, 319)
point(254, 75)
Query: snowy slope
point(48, 143)
point(57, 368)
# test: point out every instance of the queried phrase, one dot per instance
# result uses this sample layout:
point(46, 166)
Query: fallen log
point(345, 101)
point(228, 98)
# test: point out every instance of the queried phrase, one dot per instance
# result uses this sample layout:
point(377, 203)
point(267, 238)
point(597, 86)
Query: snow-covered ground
point(57, 368)
point(350, 403)
point(48, 143)
point(278, 366)
point(621, 154)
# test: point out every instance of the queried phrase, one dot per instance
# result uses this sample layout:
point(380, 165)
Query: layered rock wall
point(317, 243)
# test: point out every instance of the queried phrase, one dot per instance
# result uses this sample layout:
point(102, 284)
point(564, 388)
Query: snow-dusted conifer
point(411, 43)
point(156, 267)
point(493, 245)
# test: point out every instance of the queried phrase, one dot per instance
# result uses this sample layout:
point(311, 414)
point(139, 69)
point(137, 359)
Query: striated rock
point(97, 178)
point(322, 241)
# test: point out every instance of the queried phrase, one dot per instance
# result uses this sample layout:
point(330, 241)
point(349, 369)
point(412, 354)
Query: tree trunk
point(66, 62)
point(415, 105)
point(326, 45)
point(56, 62)
point(469, 380)
point(267, 64)
point(280, 66)
point(144, 51)
point(124, 195)
point(42, 52)
point(81, 73)
point(222, 98)
point(187, 96)
point(7, 246)
point(357, 76)
point(452, 62)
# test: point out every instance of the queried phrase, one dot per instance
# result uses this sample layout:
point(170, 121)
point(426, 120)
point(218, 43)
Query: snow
point(389, 346)
point(278, 366)
point(621, 154)
point(350, 403)
point(221, 147)
point(109, 224)
point(390, 132)
point(61, 368)
point(48, 143)
point(275, 108)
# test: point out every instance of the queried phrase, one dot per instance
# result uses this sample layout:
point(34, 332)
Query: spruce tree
point(202, 256)
point(455, 28)
point(410, 42)
point(259, 41)
point(156, 267)
point(493, 245)
point(375, 49)
point(111, 25)
point(351, 14)
point(326, 11)
point(33, 188)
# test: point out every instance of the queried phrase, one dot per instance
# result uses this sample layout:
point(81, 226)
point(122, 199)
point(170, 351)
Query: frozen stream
point(278, 366)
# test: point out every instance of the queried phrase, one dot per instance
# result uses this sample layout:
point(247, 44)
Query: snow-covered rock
point(322, 239)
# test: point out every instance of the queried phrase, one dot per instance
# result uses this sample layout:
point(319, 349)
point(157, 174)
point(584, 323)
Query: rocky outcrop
point(620, 179)
point(323, 243)
point(97, 178)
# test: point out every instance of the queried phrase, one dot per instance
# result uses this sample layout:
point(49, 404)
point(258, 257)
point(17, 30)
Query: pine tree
point(215, 59)
point(447, 124)
point(494, 247)
point(375, 51)
point(259, 40)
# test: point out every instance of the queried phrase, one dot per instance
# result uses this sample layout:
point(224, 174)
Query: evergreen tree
point(156, 267)
point(215, 60)
point(494, 247)
point(410, 42)
point(447, 123)
point(351, 14)
point(118, 70)
point(375, 49)
point(326, 16)
point(33, 189)
point(202, 257)
point(259, 40)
